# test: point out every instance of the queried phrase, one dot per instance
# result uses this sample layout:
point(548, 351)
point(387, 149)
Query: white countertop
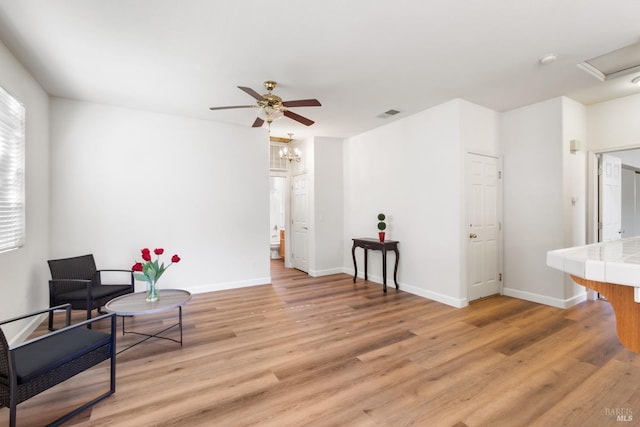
point(616, 262)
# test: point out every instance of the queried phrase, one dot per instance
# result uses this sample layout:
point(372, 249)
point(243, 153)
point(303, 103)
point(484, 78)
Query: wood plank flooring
point(325, 352)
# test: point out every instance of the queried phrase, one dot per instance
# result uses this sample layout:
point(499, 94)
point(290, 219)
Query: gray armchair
point(78, 282)
point(38, 364)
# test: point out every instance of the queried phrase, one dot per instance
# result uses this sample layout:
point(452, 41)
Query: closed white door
point(483, 233)
point(610, 200)
point(300, 218)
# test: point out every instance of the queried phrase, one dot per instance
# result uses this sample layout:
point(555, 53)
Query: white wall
point(322, 163)
point(614, 124)
point(540, 178)
point(574, 198)
point(126, 179)
point(533, 194)
point(479, 129)
point(23, 272)
point(412, 170)
point(327, 225)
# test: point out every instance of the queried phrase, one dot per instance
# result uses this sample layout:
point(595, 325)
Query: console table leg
point(355, 266)
point(395, 268)
point(384, 270)
point(366, 261)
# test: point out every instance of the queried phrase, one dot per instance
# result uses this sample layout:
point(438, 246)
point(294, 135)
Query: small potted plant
point(381, 226)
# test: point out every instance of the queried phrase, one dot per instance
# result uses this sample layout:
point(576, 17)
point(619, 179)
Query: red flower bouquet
point(150, 271)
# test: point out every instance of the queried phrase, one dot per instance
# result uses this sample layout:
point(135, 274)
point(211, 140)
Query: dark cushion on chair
point(97, 291)
point(41, 356)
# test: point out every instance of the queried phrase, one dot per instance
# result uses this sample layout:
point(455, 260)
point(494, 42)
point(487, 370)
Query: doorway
point(278, 217)
point(624, 205)
point(609, 198)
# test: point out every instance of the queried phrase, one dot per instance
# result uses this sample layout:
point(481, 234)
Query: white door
point(300, 219)
point(483, 272)
point(628, 203)
point(610, 200)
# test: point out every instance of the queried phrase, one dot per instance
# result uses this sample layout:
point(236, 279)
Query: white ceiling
point(358, 57)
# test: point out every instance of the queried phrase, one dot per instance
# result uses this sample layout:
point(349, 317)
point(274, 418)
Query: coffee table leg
point(180, 322)
point(155, 335)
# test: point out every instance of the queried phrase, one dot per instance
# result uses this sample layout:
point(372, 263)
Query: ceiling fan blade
point(251, 92)
point(302, 103)
point(234, 106)
point(299, 118)
point(259, 122)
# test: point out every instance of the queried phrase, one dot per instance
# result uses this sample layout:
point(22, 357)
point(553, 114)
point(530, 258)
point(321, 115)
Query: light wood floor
point(325, 352)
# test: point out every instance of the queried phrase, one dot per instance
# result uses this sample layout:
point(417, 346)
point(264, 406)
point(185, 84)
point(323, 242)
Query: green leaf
point(140, 276)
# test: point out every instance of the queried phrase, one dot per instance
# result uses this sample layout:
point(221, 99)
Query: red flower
point(148, 270)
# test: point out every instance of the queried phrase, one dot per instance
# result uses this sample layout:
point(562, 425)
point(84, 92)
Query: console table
point(376, 245)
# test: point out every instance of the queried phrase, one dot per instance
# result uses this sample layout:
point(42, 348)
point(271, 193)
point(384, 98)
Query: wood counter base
point(627, 311)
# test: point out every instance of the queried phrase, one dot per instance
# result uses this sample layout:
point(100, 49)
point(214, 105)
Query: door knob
point(472, 235)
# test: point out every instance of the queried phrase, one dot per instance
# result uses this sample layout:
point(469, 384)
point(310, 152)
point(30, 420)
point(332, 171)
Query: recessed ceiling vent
point(619, 63)
point(388, 114)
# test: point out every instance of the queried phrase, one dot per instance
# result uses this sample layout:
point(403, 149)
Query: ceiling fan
point(271, 107)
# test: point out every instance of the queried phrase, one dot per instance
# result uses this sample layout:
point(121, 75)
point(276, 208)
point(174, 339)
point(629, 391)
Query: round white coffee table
point(136, 304)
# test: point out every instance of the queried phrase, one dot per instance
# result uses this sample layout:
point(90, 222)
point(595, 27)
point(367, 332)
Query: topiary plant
point(381, 224)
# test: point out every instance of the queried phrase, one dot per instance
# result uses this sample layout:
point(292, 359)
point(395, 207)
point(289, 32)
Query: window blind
point(12, 160)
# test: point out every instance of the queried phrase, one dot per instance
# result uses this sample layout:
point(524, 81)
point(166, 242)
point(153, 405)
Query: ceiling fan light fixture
point(271, 107)
point(269, 114)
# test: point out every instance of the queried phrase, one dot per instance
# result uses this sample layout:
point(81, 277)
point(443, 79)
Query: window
point(276, 162)
point(12, 216)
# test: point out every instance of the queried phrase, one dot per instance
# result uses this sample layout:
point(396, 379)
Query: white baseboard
point(327, 272)
point(199, 289)
point(435, 296)
point(544, 299)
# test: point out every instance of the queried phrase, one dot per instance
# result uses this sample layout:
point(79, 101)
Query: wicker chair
point(76, 281)
point(40, 363)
